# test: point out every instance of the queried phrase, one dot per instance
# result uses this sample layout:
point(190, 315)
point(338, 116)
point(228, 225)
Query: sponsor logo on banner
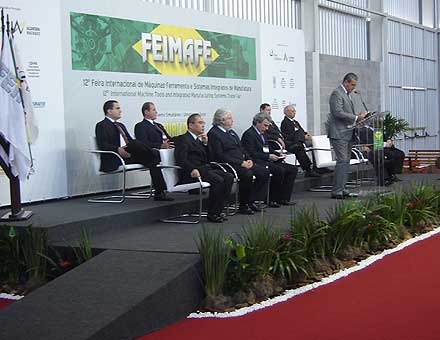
point(281, 55)
point(118, 45)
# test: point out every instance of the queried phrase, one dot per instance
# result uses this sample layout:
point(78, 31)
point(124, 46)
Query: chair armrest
point(161, 166)
point(358, 154)
point(278, 144)
point(108, 152)
point(221, 167)
point(231, 168)
point(319, 149)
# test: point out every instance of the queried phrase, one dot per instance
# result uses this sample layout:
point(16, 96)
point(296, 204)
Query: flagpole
point(17, 213)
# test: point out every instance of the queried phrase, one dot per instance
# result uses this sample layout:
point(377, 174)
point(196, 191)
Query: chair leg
point(121, 198)
point(183, 218)
point(235, 206)
point(112, 198)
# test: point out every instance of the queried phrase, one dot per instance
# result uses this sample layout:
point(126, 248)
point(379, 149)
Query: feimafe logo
point(175, 50)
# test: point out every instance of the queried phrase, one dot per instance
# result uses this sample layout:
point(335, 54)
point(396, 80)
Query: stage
point(147, 275)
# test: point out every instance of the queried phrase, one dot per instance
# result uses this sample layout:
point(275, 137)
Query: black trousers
point(397, 157)
point(301, 156)
point(142, 154)
point(283, 179)
point(221, 185)
point(250, 191)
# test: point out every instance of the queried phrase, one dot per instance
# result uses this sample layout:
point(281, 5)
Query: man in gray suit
point(340, 132)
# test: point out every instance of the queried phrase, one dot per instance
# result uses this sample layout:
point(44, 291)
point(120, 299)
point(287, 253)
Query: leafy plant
point(309, 232)
point(34, 250)
point(422, 204)
point(214, 252)
point(23, 254)
point(260, 241)
point(287, 259)
point(393, 126)
point(377, 228)
point(11, 262)
point(345, 222)
point(83, 251)
point(252, 255)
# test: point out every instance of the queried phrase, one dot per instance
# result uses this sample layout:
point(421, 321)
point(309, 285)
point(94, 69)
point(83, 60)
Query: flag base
point(21, 216)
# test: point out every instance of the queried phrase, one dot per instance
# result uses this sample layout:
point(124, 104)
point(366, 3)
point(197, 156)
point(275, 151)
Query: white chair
point(123, 168)
point(170, 172)
point(323, 155)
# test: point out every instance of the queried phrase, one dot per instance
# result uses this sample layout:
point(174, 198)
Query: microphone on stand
point(362, 99)
point(363, 104)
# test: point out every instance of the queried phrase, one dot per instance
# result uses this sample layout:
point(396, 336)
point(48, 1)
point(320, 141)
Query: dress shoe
point(312, 173)
point(338, 196)
point(274, 205)
point(162, 197)
point(255, 208)
point(245, 210)
point(388, 182)
point(286, 202)
point(223, 216)
point(214, 218)
point(322, 170)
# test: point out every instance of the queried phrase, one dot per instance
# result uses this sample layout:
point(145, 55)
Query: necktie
point(121, 132)
point(157, 126)
point(232, 134)
point(262, 138)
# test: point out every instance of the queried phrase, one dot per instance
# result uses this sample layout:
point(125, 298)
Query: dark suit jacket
point(108, 139)
point(190, 154)
point(226, 147)
point(150, 135)
point(253, 144)
point(273, 133)
point(291, 136)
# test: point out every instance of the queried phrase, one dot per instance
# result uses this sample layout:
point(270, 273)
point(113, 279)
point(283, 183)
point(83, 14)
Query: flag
point(12, 119)
point(30, 119)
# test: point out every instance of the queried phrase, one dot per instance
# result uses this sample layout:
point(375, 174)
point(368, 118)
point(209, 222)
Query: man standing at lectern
point(341, 132)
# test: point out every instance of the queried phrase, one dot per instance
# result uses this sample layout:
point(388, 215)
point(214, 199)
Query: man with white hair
point(226, 148)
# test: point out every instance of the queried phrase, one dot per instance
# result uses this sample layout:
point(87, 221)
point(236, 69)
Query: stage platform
point(147, 275)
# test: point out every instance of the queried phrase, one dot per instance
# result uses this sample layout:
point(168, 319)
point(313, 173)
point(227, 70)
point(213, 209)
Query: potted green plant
point(392, 126)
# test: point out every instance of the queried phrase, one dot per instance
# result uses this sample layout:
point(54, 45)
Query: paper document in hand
point(12, 119)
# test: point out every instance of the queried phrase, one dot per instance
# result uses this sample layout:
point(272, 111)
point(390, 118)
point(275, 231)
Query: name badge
point(266, 149)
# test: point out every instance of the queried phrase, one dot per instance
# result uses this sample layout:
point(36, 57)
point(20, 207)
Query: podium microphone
point(362, 99)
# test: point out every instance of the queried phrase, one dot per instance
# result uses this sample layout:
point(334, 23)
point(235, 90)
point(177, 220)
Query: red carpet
point(395, 298)
point(5, 302)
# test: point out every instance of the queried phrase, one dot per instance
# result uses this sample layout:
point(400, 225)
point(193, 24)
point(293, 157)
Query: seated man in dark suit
point(391, 158)
point(192, 154)
point(295, 137)
point(396, 155)
point(113, 136)
point(225, 147)
point(150, 132)
point(273, 133)
point(254, 141)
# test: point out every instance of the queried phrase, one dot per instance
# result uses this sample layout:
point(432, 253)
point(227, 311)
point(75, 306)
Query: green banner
point(118, 45)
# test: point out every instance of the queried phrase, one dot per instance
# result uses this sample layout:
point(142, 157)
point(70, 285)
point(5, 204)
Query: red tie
point(158, 128)
point(121, 132)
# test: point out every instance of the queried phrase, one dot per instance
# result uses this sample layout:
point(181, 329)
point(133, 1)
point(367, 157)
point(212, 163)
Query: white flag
point(30, 119)
point(12, 120)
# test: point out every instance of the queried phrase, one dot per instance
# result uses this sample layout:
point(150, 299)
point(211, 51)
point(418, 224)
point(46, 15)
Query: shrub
point(309, 233)
point(214, 252)
point(345, 220)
